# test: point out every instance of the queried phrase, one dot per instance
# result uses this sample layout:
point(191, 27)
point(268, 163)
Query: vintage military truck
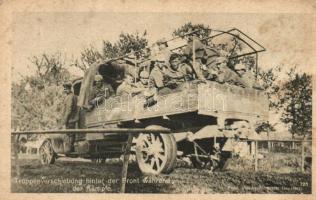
point(199, 114)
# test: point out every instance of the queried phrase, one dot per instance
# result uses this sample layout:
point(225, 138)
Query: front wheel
point(46, 152)
point(156, 153)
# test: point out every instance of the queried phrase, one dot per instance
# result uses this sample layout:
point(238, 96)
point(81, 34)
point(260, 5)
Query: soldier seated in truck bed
point(221, 73)
point(128, 86)
point(168, 70)
point(149, 94)
point(100, 91)
point(181, 70)
point(161, 77)
point(247, 76)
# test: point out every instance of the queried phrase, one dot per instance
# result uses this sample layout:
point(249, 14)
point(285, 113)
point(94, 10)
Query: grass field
point(83, 176)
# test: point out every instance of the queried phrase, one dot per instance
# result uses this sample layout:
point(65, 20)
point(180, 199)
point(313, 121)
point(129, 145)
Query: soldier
point(164, 51)
point(247, 76)
point(157, 74)
point(160, 76)
point(181, 70)
point(100, 91)
point(144, 77)
point(70, 115)
point(128, 87)
point(162, 44)
point(70, 109)
point(145, 62)
point(220, 72)
point(200, 54)
point(148, 93)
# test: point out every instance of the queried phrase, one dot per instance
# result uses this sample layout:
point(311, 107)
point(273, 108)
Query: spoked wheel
point(47, 154)
point(156, 153)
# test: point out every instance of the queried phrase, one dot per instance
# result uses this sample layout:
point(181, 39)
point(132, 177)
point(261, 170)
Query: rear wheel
point(47, 154)
point(156, 153)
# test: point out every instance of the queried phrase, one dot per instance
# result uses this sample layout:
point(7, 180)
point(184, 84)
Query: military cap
point(173, 56)
point(98, 77)
point(161, 41)
point(67, 84)
point(240, 66)
point(144, 74)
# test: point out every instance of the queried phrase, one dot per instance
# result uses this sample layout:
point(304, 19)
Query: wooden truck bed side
point(212, 99)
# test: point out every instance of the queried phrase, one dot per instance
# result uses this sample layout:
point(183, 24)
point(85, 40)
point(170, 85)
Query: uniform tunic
point(127, 89)
point(157, 78)
point(186, 70)
point(229, 76)
point(249, 80)
point(223, 74)
point(203, 55)
point(105, 91)
point(70, 111)
point(200, 51)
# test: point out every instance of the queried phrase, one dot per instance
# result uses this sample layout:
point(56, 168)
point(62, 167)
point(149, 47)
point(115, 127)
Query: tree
point(36, 100)
point(265, 127)
point(50, 69)
point(88, 56)
point(203, 30)
point(291, 96)
point(268, 79)
point(127, 43)
point(297, 103)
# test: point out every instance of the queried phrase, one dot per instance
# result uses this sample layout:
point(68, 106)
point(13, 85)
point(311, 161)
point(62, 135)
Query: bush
point(36, 108)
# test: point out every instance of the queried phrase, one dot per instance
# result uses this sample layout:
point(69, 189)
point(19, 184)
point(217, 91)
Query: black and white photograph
point(161, 103)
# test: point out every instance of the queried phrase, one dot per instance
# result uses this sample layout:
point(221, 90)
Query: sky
point(287, 37)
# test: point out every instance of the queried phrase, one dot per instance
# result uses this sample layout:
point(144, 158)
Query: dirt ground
point(84, 176)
